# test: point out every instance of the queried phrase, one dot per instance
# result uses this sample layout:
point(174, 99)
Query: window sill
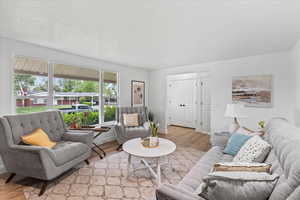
point(111, 123)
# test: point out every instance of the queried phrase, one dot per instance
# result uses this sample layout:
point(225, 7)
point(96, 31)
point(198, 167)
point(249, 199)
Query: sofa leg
point(43, 188)
point(87, 162)
point(119, 147)
point(11, 176)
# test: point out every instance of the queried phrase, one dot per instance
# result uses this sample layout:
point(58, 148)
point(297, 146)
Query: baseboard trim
point(201, 131)
point(2, 169)
point(163, 131)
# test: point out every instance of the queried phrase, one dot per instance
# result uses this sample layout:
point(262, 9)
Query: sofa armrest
point(119, 128)
point(27, 157)
point(220, 139)
point(79, 136)
point(171, 192)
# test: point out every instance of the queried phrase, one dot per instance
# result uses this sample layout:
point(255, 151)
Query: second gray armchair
point(124, 133)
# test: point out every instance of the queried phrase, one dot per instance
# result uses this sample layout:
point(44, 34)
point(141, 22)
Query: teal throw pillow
point(235, 143)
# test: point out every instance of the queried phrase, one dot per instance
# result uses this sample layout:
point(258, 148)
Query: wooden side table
point(97, 132)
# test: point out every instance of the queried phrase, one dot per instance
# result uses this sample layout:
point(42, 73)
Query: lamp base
point(234, 126)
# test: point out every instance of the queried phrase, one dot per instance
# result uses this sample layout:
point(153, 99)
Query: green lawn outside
point(109, 110)
point(31, 109)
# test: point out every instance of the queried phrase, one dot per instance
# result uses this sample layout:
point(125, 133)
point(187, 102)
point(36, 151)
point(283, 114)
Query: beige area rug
point(107, 179)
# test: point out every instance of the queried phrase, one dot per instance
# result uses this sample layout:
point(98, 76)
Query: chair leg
point(119, 147)
point(43, 188)
point(87, 162)
point(11, 176)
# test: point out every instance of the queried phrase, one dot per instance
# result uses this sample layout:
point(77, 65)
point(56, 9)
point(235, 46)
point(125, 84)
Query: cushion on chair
point(131, 120)
point(38, 138)
point(136, 132)
point(66, 151)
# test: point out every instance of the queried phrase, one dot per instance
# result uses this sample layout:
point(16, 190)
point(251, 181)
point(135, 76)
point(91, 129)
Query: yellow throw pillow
point(38, 138)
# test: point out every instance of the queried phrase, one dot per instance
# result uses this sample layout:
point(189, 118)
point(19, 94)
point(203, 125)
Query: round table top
point(135, 148)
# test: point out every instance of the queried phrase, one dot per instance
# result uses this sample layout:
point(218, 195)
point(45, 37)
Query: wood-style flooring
point(184, 137)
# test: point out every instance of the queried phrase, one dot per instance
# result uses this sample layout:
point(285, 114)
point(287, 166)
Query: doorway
point(188, 101)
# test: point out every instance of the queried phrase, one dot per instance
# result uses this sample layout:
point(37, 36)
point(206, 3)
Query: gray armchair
point(40, 162)
point(124, 133)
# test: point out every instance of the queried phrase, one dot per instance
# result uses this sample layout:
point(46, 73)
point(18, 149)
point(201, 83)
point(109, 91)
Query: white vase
point(153, 141)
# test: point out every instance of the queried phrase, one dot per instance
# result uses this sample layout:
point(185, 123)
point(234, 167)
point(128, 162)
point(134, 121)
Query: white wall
point(295, 57)
point(8, 48)
point(277, 64)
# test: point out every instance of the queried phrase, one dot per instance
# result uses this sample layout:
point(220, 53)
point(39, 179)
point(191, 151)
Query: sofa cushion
point(254, 150)
point(51, 122)
point(285, 157)
point(235, 143)
point(194, 178)
point(239, 185)
point(66, 151)
point(38, 138)
point(136, 132)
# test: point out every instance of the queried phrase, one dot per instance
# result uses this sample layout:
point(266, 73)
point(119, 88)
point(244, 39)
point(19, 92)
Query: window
point(30, 85)
point(76, 91)
point(110, 95)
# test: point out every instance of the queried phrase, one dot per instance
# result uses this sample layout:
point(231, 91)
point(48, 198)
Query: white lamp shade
point(235, 110)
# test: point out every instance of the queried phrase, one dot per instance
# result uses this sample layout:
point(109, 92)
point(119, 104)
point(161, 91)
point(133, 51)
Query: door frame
point(196, 75)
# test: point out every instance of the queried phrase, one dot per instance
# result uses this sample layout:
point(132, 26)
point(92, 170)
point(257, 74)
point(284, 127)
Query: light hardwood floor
point(184, 137)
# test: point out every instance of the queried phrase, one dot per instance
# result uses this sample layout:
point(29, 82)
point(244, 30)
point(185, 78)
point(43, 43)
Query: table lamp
point(234, 111)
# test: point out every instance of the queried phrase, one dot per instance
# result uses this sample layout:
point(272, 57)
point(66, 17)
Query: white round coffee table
point(135, 148)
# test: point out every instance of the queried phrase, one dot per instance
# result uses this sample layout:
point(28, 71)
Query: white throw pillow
point(131, 119)
point(254, 150)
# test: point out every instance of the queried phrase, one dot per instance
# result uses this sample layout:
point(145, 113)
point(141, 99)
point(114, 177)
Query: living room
point(136, 99)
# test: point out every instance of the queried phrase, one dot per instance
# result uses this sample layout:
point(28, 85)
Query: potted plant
point(154, 134)
point(261, 124)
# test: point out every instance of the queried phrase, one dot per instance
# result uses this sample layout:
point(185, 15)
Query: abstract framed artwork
point(137, 93)
point(253, 91)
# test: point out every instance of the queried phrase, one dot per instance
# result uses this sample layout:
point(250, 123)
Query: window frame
point(50, 97)
point(102, 95)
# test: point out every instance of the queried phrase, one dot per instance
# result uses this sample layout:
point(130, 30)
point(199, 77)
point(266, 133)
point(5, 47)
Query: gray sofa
point(284, 156)
point(39, 162)
point(124, 133)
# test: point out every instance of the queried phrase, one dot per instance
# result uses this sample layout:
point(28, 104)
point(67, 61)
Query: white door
point(181, 102)
point(205, 105)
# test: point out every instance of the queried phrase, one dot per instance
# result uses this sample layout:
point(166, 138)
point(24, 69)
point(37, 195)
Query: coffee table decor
point(150, 143)
point(135, 147)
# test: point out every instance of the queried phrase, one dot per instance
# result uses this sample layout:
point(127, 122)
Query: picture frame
point(253, 90)
point(137, 93)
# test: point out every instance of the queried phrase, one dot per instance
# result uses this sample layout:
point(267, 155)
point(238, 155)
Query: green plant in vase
point(261, 124)
point(154, 129)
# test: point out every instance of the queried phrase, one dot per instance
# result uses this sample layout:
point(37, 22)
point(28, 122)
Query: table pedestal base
point(155, 171)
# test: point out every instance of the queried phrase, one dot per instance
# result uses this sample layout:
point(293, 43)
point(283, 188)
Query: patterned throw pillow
point(131, 120)
point(254, 150)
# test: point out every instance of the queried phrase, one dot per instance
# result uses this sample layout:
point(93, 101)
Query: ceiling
point(155, 34)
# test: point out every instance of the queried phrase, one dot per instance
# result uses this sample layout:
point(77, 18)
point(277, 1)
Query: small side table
point(219, 139)
point(97, 132)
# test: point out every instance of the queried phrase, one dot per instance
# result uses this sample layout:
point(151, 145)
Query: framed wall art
point(137, 93)
point(253, 91)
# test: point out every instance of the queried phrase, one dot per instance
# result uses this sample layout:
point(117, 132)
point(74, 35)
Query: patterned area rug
point(107, 179)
